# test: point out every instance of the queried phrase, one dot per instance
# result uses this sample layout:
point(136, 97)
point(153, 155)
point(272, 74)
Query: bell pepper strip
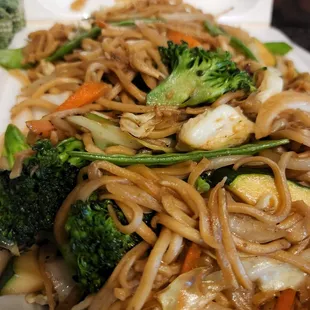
point(191, 259)
point(177, 38)
point(174, 158)
point(40, 127)
point(85, 94)
point(286, 300)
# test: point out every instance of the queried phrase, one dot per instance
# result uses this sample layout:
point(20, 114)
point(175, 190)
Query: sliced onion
point(191, 290)
point(253, 230)
point(295, 163)
point(61, 277)
point(276, 105)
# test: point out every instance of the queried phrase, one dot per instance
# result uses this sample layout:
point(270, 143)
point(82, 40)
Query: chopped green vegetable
point(239, 45)
point(105, 133)
point(214, 30)
point(132, 22)
point(250, 184)
point(14, 142)
point(278, 48)
point(12, 58)
point(173, 158)
point(198, 76)
point(202, 185)
point(71, 45)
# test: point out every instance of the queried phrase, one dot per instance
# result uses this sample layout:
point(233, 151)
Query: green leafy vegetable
point(198, 76)
point(14, 142)
point(278, 48)
point(174, 158)
point(214, 30)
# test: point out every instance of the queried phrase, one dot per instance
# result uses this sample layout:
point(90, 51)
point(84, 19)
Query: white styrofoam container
point(253, 15)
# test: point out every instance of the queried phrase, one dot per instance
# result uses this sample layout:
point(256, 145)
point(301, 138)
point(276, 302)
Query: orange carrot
point(100, 23)
point(286, 300)
point(40, 127)
point(178, 37)
point(85, 94)
point(191, 258)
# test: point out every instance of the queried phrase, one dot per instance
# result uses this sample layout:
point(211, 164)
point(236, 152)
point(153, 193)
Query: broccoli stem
point(14, 142)
point(170, 159)
point(235, 42)
point(69, 46)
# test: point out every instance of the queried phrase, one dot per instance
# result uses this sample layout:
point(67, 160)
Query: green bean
point(239, 45)
point(174, 158)
point(71, 45)
point(132, 22)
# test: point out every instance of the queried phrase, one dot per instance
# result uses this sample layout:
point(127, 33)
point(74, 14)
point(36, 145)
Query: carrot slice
point(40, 127)
point(191, 258)
point(178, 37)
point(286, 300)
point(85, 94)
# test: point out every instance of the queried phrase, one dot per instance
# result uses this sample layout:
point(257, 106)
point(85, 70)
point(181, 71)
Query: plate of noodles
point(154, 158)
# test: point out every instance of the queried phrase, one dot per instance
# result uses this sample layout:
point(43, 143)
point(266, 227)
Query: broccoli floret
point(95, 242)
point(28, 203)
point(197, 76)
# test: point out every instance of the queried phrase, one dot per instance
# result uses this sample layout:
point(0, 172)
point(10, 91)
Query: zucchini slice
point(23, 275)
point(251, 184)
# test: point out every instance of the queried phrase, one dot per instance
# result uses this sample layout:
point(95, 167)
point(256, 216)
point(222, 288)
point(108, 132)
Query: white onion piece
point(61, 277)
point(188, 290)
point(276, 105)
point(14, 302)
point(250, 229)
point(272, 275)
point(272, 84)
point(196, 289)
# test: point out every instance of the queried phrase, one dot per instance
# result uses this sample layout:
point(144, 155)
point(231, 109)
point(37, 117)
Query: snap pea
point(235, 42)
point(278, 48)
point(71, 45)
point(174, 158)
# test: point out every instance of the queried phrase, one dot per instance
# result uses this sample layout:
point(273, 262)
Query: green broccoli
point(95, 242)
point(28, 203)
point(12, 19)
point(198, 76)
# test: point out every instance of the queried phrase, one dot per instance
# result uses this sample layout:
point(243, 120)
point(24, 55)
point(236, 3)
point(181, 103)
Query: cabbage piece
point(105, 134)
